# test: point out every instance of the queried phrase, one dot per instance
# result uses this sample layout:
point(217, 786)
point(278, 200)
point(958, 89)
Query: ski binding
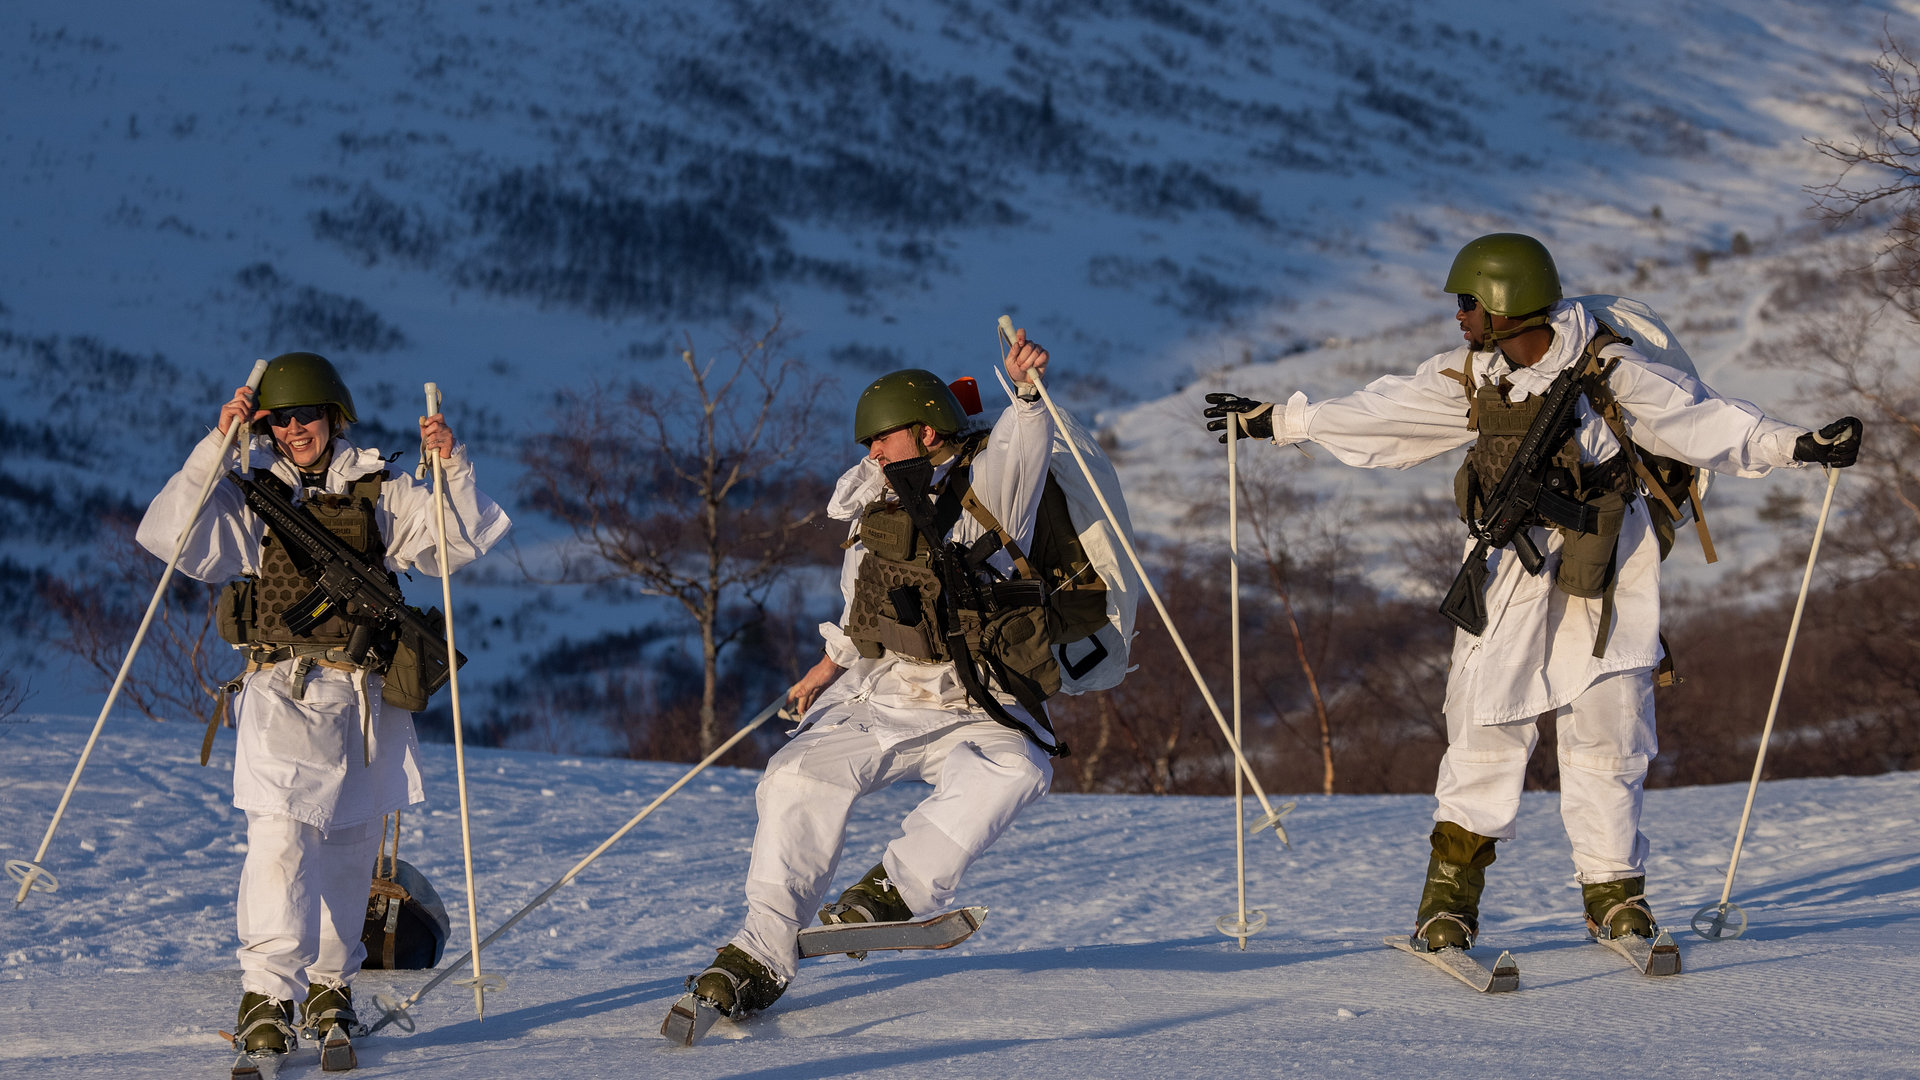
point(1655, 956)
point(942, 931)
point(688, 1021)
point(258, 1065)
point(1504, 977)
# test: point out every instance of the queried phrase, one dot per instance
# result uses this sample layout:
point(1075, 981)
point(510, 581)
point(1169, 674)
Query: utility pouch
point(1587, 558)
point(411, 679)
point(1017, 638)
point(887, 531)
point(233, 612)
point(1466, 491)
point(879, 622)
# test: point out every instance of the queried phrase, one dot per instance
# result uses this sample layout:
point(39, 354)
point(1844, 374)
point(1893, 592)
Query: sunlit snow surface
point(1099, 959)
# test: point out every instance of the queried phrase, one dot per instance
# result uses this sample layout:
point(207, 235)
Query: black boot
point(328, 1020)
point(871, 899)
point(737, 984)
point(264, 1024)
point(1618, 908)
point(1449, 915)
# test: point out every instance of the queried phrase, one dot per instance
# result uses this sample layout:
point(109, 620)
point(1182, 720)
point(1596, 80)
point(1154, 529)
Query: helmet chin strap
point(1493, 337)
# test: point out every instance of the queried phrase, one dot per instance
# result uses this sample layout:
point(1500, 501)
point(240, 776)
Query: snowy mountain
point(512, 199)
point(1100, 957)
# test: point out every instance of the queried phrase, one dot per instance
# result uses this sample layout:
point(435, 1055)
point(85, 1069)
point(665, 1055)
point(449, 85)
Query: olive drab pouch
point(411, 678)
point(233, 612)
point(887, 531)
point(1018, 638)
point(1587, 558)
point(893, 610)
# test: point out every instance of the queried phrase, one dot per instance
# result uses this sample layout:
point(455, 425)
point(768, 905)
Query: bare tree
point(181, 664)
point(13, 693)
point(1272, 505)
point(1880, 173)
point(699, 488)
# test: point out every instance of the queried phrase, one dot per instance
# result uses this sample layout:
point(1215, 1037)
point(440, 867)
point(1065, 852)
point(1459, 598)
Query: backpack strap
point(985, 517)
point(1600, 394)
point(992, 524)
point(1464, 376)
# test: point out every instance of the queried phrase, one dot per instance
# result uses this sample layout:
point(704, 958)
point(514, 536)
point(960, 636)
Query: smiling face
point(303, 438)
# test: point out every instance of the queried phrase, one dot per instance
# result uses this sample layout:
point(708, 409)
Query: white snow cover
point(1099, 959)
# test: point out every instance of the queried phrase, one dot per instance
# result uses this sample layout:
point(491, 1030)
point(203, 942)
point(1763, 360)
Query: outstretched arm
point(1396, 421)
point(1676, 415)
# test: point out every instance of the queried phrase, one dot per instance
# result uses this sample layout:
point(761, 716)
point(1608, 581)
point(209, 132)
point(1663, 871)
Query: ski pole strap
point(219, 713)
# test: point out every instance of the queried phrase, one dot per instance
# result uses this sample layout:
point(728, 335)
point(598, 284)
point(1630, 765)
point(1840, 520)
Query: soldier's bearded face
point(896, 445)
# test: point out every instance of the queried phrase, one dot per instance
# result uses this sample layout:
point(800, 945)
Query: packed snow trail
point(1100, 958)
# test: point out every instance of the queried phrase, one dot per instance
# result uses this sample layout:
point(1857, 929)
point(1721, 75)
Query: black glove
point(1256, 417)
point(1836, 446)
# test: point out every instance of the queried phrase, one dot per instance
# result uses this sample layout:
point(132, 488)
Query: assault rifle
point(1525, 494)
point(348, 584)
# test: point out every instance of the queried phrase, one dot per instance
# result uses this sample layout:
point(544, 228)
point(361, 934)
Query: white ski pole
point(481, 984)
point(1711, 921)
point(396, 1012)
point(1273, 816)
point(32, 876)
point(1240, 926)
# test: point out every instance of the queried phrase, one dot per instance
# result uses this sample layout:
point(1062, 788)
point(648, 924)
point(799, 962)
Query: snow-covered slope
point(510, 198)
point(1099, 958)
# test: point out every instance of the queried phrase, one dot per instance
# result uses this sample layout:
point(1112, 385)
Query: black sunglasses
point(303, 414)
point(1467, 302)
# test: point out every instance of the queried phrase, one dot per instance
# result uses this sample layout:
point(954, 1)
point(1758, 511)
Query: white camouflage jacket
point(909, 697)
point(1536, 653)
point(306, 758)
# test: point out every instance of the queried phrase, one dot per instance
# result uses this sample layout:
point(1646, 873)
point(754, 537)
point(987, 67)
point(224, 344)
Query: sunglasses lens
point(1467, 303)
point(302, 414)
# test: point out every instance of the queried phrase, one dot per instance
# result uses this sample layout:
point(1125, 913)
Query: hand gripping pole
point(1272, 816)
point(1726, 919)
point(30, 874)
point(396, 1012)
point(480, 983)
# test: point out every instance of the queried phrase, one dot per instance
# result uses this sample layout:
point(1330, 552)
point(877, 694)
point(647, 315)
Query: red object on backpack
point(968, 391)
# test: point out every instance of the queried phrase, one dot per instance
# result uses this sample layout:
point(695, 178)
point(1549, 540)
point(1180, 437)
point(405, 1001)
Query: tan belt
point(260, 658)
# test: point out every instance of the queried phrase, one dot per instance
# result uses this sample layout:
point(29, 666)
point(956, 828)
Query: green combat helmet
point(304, 378)
point(913, 396)
point(1510, 274)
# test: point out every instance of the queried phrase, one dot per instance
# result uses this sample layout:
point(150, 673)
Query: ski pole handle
point(246, 443)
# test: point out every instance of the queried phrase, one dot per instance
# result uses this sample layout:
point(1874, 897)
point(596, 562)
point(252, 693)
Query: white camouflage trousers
point(1606, 739)
point(303, 903)
point(982, 774)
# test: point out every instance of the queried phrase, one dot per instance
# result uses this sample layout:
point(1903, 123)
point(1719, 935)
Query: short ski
point(1649, 956)
point(336, 1051)
point(940, 932)
point(1504, 977)
point(258, 1065)
point(688, 1021)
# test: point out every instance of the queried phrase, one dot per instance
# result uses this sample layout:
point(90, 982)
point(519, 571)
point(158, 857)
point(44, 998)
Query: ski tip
point(688, 1020)
point(1505, 966)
